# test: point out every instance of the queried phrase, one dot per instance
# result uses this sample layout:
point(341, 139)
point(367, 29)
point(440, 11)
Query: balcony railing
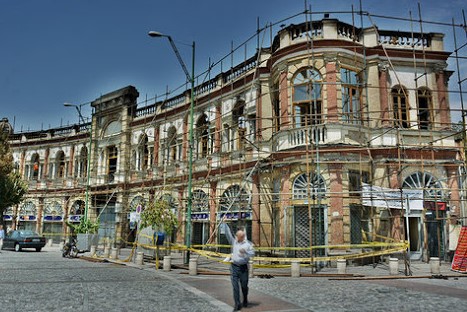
point(292, 138)
point(399, 39)
point(357, 135)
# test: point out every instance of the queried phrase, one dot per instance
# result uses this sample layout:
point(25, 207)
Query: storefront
point(52, 222)
point(27, 217)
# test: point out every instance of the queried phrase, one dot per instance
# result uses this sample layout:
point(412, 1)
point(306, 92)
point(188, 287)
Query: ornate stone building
point(288, 135)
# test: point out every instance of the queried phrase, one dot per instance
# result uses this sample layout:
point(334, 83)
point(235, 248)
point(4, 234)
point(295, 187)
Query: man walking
point(242, 251)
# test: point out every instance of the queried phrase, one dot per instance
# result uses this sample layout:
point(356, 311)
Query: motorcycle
point(70, 250)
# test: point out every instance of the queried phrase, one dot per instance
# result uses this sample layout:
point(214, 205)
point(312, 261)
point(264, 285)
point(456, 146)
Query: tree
point(158, 214)
point(12, 187)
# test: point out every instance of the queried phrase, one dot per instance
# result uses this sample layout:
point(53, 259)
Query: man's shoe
point(237, 308)
point(245, 303)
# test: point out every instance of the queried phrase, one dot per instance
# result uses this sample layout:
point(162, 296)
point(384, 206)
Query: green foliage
point(12, 190)
point(85, 226)
point(12, 187)
point(159, 214)
point(6, 158)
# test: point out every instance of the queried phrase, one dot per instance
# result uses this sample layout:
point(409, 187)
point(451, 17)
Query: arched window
point(27, 209)
point(235, 199)
point(432, 188)
point(137, 204)
point(400, 107)
point(77, 209)
point(307, 97)
point(172, 145)
point(53, 209)
point(113, 128)
point(171, 201)
point(83, 162)
point(200, 202)
point(35, 166)
point(309, 188)
point(202, 135)
point(424, 108)
point(61, 165)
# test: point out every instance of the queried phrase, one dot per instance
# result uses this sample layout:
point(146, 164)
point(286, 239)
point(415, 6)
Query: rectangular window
point(112, 163)
point(351, 96)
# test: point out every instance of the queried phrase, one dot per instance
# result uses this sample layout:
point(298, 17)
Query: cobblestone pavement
point(31, 281)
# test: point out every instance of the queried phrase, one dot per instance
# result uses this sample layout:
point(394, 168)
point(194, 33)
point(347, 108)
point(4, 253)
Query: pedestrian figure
point(242, 251)
point(2, 235)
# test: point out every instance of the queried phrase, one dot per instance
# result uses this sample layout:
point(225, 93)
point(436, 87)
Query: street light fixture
point(78, 109)
point(88, 161)
point(191, 79)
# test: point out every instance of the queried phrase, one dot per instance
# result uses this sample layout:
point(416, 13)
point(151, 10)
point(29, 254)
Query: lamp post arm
point(78, 109)
point(174, 47)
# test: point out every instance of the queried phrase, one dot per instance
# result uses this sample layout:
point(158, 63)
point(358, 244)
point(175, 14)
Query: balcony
point(357, 135)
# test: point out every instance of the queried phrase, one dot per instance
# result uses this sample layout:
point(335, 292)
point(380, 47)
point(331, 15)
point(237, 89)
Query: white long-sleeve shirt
point(241, 251)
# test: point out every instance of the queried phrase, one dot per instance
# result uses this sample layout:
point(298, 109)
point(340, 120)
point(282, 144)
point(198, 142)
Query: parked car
point(20, 239)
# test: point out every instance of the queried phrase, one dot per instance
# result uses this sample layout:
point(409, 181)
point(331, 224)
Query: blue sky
point(73, 51)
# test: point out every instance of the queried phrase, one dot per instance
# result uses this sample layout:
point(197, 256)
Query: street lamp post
point(88, 161)
point(191, 79)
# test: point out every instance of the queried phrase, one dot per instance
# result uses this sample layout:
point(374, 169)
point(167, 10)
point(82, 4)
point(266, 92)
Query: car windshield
point(28, 233)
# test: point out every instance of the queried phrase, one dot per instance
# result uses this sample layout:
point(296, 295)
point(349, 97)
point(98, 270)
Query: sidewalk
point(283, 292)
point(416, 268)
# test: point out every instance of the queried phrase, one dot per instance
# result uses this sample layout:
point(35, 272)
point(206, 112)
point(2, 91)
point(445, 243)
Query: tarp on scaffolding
point(376, 196)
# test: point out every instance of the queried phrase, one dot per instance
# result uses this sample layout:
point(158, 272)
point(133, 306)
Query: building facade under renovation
point(285, 143)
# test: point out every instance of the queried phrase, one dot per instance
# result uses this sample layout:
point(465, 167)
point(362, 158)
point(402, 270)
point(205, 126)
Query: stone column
point(212, 212)
point(39, 213)
point(45, 171)
point(331, 90)
point(383, 94)
point(218, 133)
point(284, 202)
point(259, 109)
point(71, 161)
point(182, 216)
point(453, 186)
point(396, 214)
point(156, 146)
point(284, 99)
point(255, 225)
point(22, 164)
point(336, 204)
point(441, 85)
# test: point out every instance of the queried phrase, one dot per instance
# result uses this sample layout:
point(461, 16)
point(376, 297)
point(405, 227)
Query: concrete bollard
point(295, 269)
point(114, 253)
point(193, 267)
point(393, 266)
point(106, 251)
point(250, 269)
point(139, 258)
point(93, 250)
point(341, 266)
point(50, 242)
point(167, 264)
point(435, 265)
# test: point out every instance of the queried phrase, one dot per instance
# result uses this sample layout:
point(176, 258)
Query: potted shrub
point(86, 234)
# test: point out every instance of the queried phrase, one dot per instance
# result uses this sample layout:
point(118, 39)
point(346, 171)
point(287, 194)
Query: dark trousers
point(239, 275)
